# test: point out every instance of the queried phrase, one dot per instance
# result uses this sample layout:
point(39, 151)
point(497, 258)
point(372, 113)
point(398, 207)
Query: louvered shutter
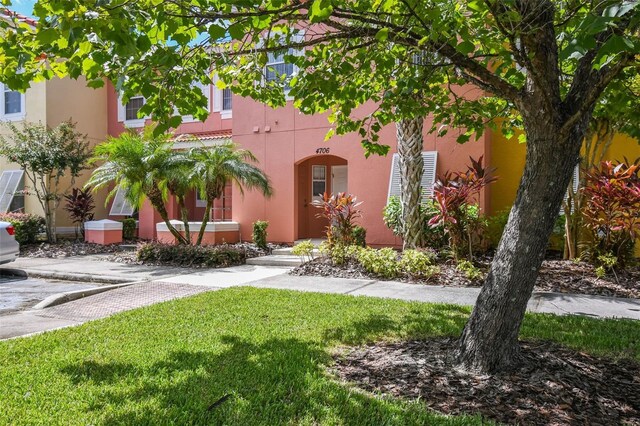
point(9, 181)
point(430, 160)
point(575, 185)
point(120, 206)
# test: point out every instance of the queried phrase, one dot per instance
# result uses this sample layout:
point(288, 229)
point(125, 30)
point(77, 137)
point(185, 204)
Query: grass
point(267, 349)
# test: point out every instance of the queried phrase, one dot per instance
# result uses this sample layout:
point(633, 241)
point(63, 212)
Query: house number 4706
point(322, 151)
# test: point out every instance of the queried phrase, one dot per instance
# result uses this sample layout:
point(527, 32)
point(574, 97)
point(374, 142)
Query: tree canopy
point(410, 56)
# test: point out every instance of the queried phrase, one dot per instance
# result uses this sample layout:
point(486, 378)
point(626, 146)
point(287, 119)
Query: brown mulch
point(553, 386)
point(67, 248)
point(558, 276)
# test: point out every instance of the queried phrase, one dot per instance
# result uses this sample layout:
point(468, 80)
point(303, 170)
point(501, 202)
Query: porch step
point(275, 260)
point(287, 252)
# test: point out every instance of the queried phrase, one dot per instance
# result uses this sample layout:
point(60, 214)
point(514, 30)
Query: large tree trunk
point(409, 135)
point(489, 341)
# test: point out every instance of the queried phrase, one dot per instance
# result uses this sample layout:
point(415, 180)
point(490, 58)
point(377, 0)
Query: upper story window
point(226, 99)
point(12, 105)
point(132, 107)
point(128, 112)
point(278, 69)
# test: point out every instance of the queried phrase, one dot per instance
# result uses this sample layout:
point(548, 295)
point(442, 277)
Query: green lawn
point(268, 349)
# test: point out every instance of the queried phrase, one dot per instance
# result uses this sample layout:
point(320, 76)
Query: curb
point(60, 298)
point(66, 276)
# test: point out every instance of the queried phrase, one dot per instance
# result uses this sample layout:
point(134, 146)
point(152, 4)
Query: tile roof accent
point(202, 136)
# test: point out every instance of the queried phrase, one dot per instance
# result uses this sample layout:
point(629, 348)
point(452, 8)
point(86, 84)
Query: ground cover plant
point(214, 256)
point(243, 357)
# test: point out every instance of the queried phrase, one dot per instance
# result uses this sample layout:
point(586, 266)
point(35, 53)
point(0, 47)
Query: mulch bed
point(553, 386)
point(559, 276)
point(116, 252)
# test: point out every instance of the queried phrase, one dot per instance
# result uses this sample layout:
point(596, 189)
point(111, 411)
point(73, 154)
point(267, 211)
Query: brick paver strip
point(122, 299)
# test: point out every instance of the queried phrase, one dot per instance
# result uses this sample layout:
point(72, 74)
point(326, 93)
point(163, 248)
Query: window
point(12, 105)
point(318, 181)
point(200, 202)
point(11, 181)
point(226, 99)
point(121, 206)
point(277, 69)
point(430, 160)
point(132, 107)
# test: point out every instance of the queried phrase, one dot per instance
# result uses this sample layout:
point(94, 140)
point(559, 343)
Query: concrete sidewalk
point(186, 284)
point(91, 269)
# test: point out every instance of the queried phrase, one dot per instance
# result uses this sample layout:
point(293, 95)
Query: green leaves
point(320, 10)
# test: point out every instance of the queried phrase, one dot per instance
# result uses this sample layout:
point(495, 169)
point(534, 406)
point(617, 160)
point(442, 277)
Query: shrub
point(382, 262)
point(461, 218)
point(260, 233)
point(469, 269)
point(79, 205)
point(418, 264)
point(187, 255)
point(304, 250)
point(340, 210)
point(432, 236)
point(27, 226)
point(610, 214)
point(128, 228)
point(359, 236)
point(339, 253)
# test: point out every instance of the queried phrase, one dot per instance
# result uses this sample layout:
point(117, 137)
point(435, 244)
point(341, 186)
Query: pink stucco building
point(292, 150)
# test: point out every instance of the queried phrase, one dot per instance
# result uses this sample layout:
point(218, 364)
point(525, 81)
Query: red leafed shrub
point(341, 210)
point(612, 209)
point(453, 193)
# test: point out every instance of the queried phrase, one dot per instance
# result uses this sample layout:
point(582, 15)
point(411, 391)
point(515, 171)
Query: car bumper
point(7, 256)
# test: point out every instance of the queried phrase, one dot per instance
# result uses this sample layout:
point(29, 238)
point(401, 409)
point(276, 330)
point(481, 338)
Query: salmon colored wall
point(292, 138)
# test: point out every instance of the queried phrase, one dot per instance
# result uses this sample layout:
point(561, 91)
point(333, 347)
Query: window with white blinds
point(120, 206)
point(9, 182)
point(430, 160)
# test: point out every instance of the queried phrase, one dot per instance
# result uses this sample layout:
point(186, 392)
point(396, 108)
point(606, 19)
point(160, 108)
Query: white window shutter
point(575, 186)
point(121, 108)
point(9, 181)
point(120, 206)
point(430, 162)
point(394, 179)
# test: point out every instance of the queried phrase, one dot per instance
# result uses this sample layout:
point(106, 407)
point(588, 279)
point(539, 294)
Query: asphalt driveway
point(17, 292)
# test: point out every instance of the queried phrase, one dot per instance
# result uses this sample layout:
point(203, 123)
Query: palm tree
point(137, 163)
point(409, 136)
point(215, 166)
point(180, 181)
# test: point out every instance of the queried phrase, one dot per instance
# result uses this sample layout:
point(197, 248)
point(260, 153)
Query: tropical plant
point(52, 159)
point(418, 263)
point(359, 235)
point(304, 250)
point(80, 207)
point(137, 163)
point(430, 236)
point(460, 217)
point(213, 167)
point(340, 210)
point(259, 234)
point(612, 209)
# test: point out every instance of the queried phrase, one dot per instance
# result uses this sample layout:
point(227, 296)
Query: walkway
point(187, 284)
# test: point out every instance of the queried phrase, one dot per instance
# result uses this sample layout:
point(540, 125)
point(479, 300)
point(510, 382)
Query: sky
point(24, 7)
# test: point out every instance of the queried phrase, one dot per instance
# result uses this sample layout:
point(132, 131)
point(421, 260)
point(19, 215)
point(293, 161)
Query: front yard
point(248, 356)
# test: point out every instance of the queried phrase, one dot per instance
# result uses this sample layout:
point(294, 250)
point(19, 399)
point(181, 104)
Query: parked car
point(9, 247)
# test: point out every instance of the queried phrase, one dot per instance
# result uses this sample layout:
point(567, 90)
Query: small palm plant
point(137, 163)
point(214, 166)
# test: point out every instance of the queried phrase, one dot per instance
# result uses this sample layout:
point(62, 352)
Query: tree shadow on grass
point(438, 320)
point(277, 381)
